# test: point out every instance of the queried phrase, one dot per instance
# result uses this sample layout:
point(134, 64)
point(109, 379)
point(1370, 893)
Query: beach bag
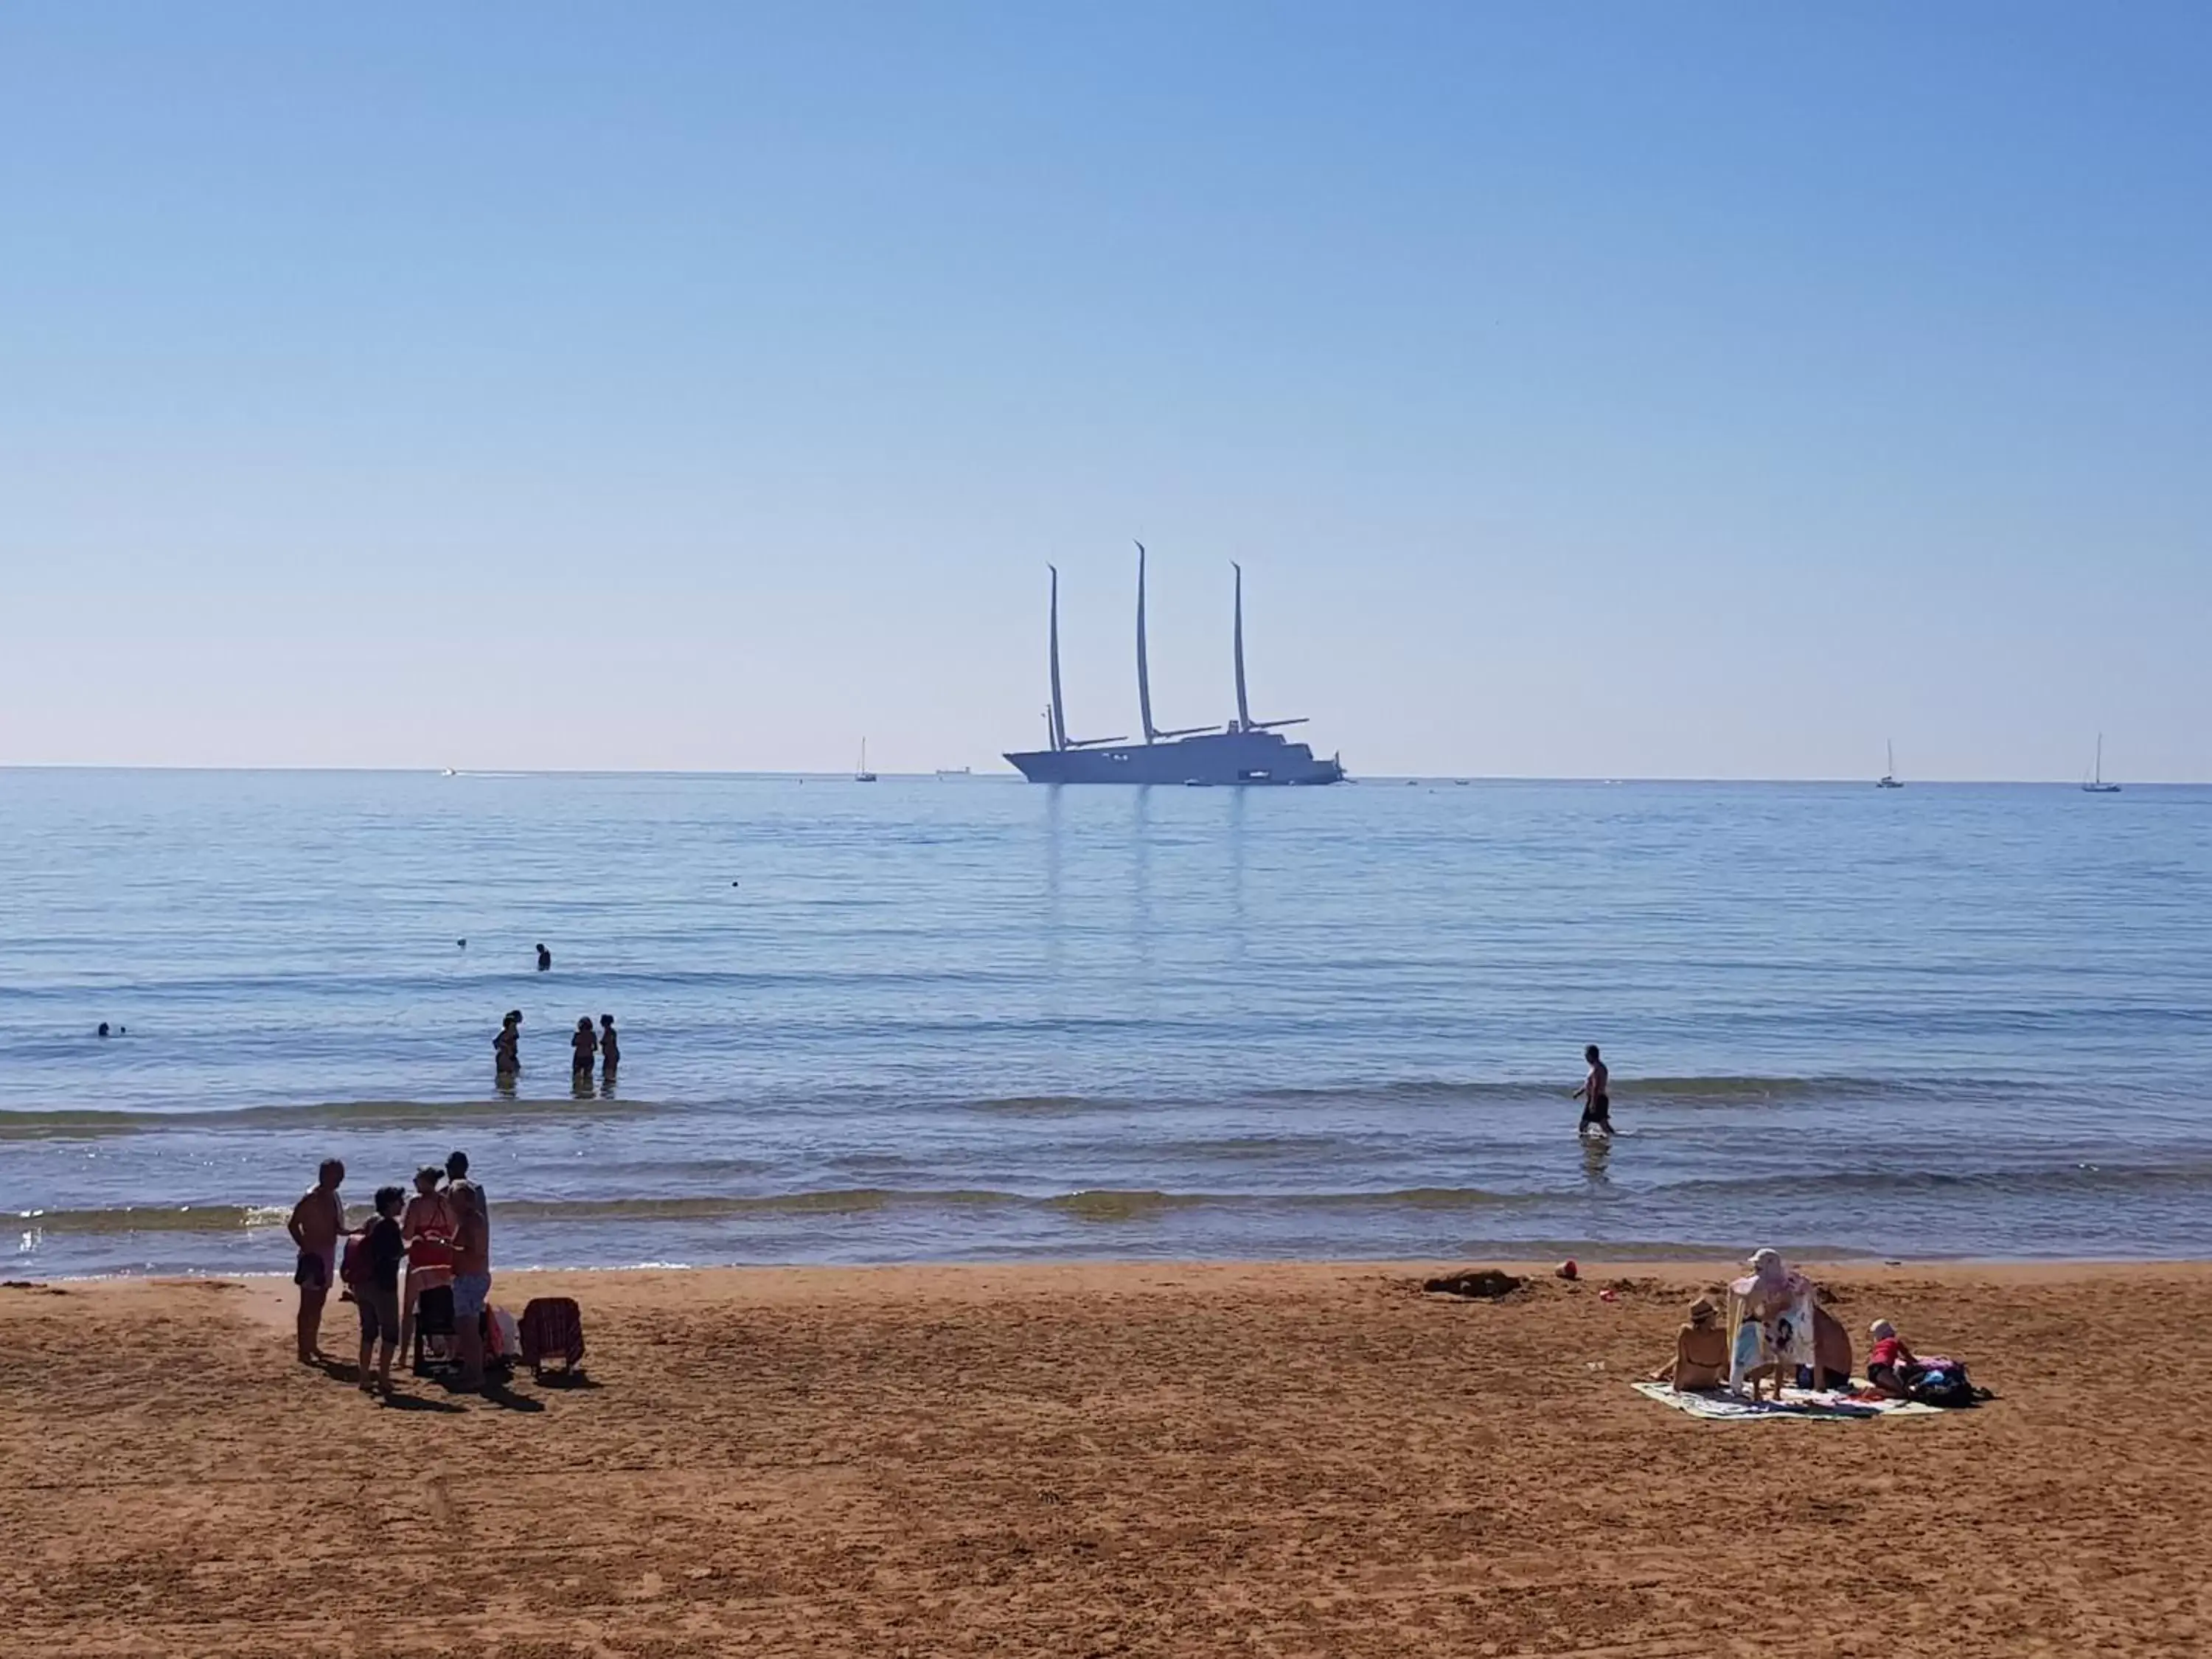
point(1942, 1382)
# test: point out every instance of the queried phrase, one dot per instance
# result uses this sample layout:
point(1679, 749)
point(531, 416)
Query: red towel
point(552, 1328)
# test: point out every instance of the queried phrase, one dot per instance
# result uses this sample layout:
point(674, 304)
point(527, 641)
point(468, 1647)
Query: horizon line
point(1010, 775)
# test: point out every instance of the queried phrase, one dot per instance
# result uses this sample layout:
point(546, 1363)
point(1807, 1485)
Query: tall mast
point(1143, 677)
point(1059, 715)
point(1243, 709)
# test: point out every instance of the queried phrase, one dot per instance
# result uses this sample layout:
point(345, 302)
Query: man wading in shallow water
point(1597, 1103)
point(471, 1268)
point(317, 1220)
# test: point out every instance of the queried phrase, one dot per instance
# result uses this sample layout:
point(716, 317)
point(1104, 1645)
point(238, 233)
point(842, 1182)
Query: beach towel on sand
point(1829, 1407)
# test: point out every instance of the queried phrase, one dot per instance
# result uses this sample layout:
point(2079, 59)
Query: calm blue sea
point(968, 1018)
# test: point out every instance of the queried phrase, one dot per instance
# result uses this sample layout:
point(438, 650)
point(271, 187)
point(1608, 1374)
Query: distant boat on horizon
point(1888, 778)
point(2095, 784)
point(954, 772)
point(861, 774)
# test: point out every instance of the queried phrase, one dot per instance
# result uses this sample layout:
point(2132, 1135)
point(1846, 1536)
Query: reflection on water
point(1597, 1159)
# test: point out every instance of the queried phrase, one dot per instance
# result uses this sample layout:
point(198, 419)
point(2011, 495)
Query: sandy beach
point(1114, 1459)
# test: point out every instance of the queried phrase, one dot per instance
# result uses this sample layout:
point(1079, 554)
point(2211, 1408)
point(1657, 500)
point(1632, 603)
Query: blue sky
point(1587, 391)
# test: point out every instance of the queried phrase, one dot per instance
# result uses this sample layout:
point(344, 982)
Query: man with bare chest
point(1597, 1097)
point(317, 1220)
point(472, 1266)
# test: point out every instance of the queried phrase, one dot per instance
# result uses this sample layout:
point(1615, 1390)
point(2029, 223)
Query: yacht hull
point(1208, 758)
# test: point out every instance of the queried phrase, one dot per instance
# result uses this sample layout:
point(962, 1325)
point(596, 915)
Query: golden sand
point(1095, 1460)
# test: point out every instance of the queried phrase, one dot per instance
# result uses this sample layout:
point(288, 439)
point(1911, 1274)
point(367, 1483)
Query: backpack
point(353, 1266)
point(1944, 1382)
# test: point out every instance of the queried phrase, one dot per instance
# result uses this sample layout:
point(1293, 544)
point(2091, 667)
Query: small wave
point(152, 1219)
point(92, 1124)
point(1115, 1205)
point(1109, 1203)
point(1045, 1105)
point(232, 1217)
point(2019, 1181)
point(843, 1200)
point(1718, 1090)
point(1676, 1091)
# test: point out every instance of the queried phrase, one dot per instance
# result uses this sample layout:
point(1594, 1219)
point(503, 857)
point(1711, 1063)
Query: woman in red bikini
point(428, 1227)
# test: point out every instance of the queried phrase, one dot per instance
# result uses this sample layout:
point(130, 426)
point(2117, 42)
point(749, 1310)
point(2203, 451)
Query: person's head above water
point(329, 1173)
point(457, 1164)
point(103, 1028)
point(1590, 1054)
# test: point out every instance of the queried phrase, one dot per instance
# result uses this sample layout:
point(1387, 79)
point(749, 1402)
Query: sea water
point(973, 1018)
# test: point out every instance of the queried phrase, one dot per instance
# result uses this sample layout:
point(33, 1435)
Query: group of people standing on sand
point(440, 1237)
point(585, 1048)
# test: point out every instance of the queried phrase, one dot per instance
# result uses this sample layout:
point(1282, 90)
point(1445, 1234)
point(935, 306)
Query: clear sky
point(1610, 390)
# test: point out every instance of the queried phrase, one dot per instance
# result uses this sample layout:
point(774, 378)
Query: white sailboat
point(2095, 784)
point(1888, 778)
point(861, 774)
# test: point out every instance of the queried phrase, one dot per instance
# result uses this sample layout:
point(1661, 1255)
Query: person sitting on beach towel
point(1831, 1353)
point(1892, 1368)
point(428, 1227)
point(1701, 1352)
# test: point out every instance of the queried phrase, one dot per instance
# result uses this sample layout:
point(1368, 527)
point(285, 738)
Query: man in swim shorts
point(1597, 1104)
point(317, 1220)
point(472, 1266)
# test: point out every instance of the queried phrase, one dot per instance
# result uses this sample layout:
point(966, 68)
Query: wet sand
point(1122, 1459)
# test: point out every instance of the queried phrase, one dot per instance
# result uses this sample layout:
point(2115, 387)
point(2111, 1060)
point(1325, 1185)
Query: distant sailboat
point(864, 775)
point(2095, 784)
point(1888, 778)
